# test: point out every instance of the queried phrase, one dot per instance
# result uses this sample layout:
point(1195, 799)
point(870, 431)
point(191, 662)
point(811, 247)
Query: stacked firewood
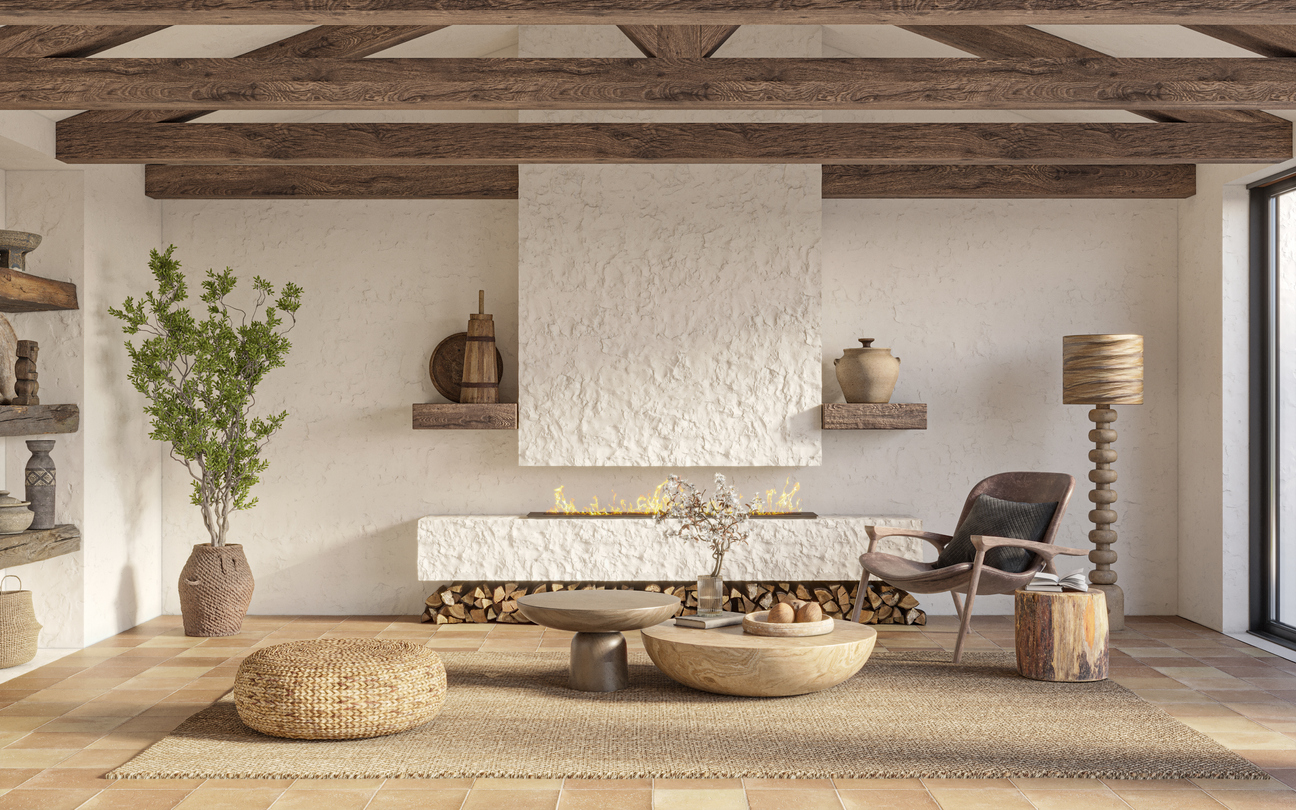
point(497, 602)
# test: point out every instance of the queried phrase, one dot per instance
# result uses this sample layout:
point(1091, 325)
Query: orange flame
point(775, 503)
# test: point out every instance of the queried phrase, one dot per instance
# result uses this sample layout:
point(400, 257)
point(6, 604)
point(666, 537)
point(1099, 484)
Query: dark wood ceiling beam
point(324, 42)
point(366, 144)
point(678, 41)
point(1022, 41)
point(1175, 181)
point(163, 182)
point(647, 12)
point(1099, 83)
point(1269, 40)
point(68, 40)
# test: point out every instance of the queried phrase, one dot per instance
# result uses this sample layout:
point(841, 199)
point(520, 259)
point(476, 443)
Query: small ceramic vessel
point(15, 517)
point(867, 374)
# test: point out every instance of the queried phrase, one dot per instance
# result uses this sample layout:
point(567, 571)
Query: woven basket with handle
point(339, 689)
point(18, 626)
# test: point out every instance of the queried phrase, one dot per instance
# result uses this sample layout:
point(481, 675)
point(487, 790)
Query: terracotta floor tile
point(67, 739)
point(969, 784)
point(22, 723)
point(136, 800)
point(798, 799)
point(82, 725)
point(608, 800)
point(983, 799)
point(320, 799)
point(788, 784)
point(204, 799)
point(1211, 785)
point(252, 784)
point(878, 784)
point(1170, 800)
point(61, 778)
point(101, 758)
point(697, 799)
point(13, 777)
point(1074, 799)
point(155, 784)
point(517, 784)
point(887, 800)
point(336, 784)
point(607, 784)
point(35, 757)
point(1255, 799)
point(697, 784)
point(20, 799)
point(422, 800)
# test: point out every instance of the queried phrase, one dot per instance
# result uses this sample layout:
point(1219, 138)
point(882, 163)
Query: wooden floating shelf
point(466, 416)
point(30, 547)
point(38, 420)
point(22, 292)
point(875, 416)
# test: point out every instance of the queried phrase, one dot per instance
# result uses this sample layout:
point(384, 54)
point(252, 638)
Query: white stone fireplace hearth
point(512, 548)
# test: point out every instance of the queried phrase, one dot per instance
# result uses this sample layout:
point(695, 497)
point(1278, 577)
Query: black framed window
point(1273, 408)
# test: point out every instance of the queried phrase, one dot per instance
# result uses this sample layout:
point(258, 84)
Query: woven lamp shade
point(1102, 370)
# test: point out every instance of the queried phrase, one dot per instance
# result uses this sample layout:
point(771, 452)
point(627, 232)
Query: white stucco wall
point(975, 296)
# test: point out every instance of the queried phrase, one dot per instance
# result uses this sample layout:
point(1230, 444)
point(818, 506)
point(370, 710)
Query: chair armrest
point(876, 533)
point(1047, 551)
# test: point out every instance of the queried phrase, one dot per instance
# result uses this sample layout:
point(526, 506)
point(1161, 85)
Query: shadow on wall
point(125, 606)
point(377, 569)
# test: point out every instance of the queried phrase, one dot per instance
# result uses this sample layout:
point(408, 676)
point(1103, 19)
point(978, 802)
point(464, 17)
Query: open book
point(1055, 584)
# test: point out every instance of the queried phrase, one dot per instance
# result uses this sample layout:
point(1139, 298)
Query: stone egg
point(809, 612)
point(781, 614)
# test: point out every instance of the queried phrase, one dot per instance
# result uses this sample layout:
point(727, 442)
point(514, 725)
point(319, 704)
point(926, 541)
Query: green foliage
point(200, 378)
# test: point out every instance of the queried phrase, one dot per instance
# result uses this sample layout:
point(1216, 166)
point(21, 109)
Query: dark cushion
point(999, 518)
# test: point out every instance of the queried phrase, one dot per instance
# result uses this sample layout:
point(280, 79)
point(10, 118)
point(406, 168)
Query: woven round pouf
point(339, 689)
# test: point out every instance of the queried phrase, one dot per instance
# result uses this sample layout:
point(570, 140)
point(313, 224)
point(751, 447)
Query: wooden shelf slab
point(21, 292)
point(38, 420)
point(30, 547)
point(466, 416)
point(874, 416)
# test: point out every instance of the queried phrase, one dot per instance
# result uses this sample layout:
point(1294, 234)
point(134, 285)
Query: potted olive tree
point(200, 376)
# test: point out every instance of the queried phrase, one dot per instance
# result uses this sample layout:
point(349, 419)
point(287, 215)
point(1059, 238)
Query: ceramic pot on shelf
point(867, 374)
point(15, 517)
point(215, 590)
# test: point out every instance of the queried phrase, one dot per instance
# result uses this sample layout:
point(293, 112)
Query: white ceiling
point(877, 41)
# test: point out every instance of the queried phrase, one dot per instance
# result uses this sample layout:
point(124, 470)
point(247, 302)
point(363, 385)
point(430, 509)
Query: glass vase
point(710, 596)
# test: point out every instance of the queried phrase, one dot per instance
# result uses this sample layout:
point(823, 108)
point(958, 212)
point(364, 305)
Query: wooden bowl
point(755, 624)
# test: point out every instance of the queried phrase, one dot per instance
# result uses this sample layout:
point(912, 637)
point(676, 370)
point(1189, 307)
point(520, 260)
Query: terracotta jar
point(868, 374)
point(215, 590)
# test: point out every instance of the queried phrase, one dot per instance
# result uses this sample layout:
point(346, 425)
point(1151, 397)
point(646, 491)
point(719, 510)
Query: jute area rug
point(904, 715)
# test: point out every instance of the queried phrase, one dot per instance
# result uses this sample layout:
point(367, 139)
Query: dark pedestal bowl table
point(598, 650)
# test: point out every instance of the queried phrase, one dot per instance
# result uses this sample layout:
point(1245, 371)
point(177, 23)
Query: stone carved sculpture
point(25, 370)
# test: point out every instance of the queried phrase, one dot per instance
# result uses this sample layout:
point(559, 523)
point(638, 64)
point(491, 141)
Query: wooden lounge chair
point(975, 577)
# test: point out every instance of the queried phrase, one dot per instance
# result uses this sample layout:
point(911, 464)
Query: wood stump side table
point(598, 650)
point(1061, 636)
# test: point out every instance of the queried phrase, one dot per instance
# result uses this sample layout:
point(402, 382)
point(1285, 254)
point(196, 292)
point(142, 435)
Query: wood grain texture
point(163, 182)
point(360, 144)
point(68, 41)
point(30, 547)
point(646, 12)
point(450, 416)
point(1017, 41)
point(678, 41)
point(1061, 636)
point(21, 292)
point(874, 416)
point(167, 182)
point(728, 661)
point(323, 42)
point(1148, 182)
point(1269, 40)
point(37, 420)
point(1100, 83)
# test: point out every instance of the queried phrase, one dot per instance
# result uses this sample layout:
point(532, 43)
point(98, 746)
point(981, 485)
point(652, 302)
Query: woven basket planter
point(18, 626)
point(215, 590)
point(339, 689)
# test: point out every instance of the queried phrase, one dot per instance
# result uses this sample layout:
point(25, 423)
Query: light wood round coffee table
point(728, 661)
point(598, 650)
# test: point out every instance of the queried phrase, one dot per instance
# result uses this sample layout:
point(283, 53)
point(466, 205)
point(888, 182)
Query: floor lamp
point(1103, 370)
